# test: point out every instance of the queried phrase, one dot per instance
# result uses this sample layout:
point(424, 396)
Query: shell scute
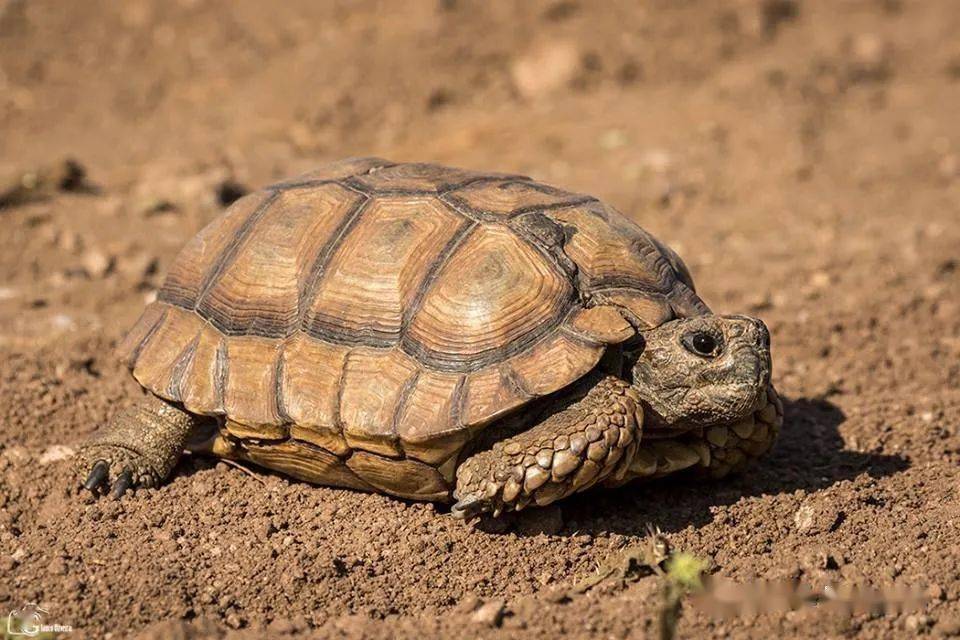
point(129, 349)
point(602, 324)
point(569, 360)
point(310, 390)
point(167, 351)
point(374, 383)
point(250, 381)
point(405, 478)
point(304, 461)
point(201, 256)
point(612, 252)
point(509, 197)
point(493, 293)
point(489, 393)
point(259, 289)
point(201, 386)
point(376, 271)
point(432, 404)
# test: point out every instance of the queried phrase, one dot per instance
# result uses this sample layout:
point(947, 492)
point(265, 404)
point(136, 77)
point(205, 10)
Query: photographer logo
point(27, 621)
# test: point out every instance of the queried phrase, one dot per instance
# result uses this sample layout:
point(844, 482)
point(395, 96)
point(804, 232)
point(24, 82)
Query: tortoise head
point(701, 371)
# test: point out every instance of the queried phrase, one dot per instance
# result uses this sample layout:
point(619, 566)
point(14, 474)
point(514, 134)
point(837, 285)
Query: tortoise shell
point(373, 310)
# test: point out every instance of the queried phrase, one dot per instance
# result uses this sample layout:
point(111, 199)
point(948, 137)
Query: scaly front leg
point(715, 451)
point(568, 452)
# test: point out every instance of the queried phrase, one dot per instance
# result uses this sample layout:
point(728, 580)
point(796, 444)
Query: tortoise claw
point(124, 482)
point(114, 470)
point(99, 479)
point(98, 475)
point(467, 508)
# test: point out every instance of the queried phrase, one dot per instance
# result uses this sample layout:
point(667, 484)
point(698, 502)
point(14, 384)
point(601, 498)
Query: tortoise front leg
point(715, 451)
point(138, 449)
point(734, 446)
point(570, 451)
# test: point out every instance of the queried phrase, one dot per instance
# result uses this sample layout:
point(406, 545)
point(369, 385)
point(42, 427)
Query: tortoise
point(436, 334)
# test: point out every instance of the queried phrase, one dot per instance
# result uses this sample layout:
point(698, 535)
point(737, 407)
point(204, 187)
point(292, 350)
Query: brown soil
point(803, 157)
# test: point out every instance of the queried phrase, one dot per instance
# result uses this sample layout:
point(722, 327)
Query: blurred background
point(803, 156)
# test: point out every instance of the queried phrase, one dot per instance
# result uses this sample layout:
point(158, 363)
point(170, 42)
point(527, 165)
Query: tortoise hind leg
point(139, 448)
point(570, 451)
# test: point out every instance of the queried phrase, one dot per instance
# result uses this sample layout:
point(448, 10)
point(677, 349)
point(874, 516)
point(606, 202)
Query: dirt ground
point(803, 157)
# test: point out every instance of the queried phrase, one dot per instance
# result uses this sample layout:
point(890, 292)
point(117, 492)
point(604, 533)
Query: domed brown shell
point(380, 309)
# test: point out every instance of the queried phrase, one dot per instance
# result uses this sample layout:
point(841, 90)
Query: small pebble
point(96, 264)
point(870, 58)
point(490, 614)
point(281, 626)
point(935, 592)
point(811, 519)
point(546, 69)
point(468, 604)
point(55, 453)
point(917, 622)
point(57, 567)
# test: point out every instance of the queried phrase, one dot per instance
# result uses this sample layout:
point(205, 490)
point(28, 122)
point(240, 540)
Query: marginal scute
point(310, 386)
point(554, 363)
point(156, 367)
point(258, 292)
point(199, 388)
point(259, 432)
point(180, 364)
point(649, 311)
point(502, 198)
point(685, 302)
point(488, 394)
point(132, 344)
point(328, 438)
point(493, 291)
point(427, 423)
point(249, 395)
point(601, 324)
point(376, 270)
point(374, 383)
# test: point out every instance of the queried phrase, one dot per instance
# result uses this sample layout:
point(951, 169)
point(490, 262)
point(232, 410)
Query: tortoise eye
point(702, 344)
